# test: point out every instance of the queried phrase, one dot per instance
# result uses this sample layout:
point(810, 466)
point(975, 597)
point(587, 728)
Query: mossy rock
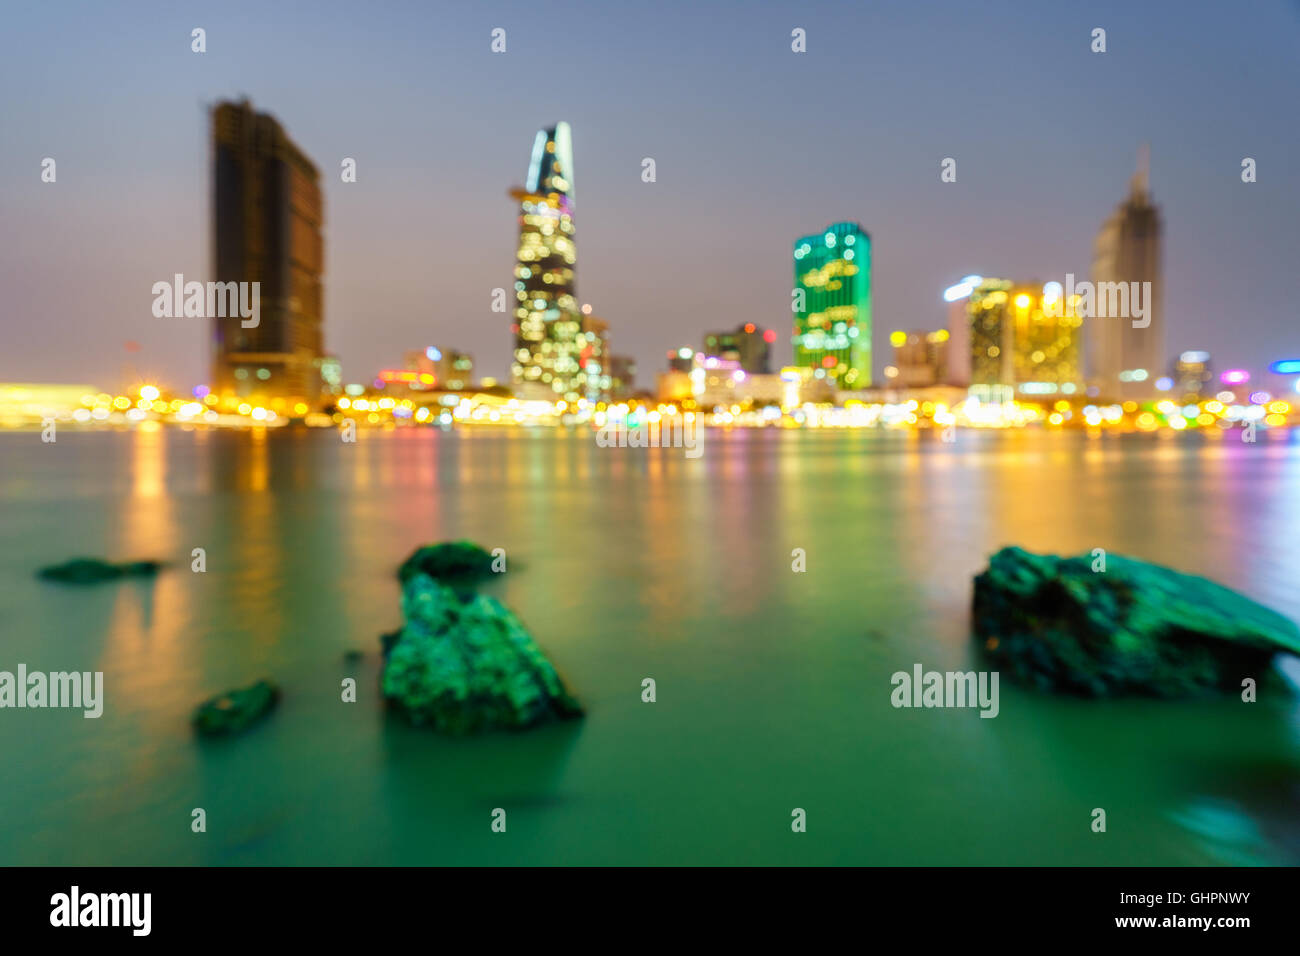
point(453, 562)
point(236, 710)
point(1132, 629)
point(96, 570)
point(464, 664)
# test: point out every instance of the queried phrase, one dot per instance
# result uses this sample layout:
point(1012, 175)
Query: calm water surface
point(773, 687)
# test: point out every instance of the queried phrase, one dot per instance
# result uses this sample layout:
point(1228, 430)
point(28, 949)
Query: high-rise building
point(1024, 339)
point(593, 357)
point(1123, 360)
point(547, 323)
point(267, 213)
point(992, 346)
point(622, 375)
point(959, 346)
point(749, 345)
point(832, 306)
point(1047, 346)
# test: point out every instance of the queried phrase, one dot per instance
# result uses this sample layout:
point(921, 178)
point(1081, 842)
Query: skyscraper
point(1024, 338)
point(832, 305)
point(992, 341)
point(959, 347)
point(1045, 330)
point(1124, 361)
point(267, 213)
point(593, 357)
point(547, 322)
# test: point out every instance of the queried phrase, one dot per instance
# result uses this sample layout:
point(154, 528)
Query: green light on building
point(832, 317)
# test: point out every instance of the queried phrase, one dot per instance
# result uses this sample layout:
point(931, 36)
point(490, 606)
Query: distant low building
point(449, 368)
point(674, 386)
point(682, 359)
point(622, 376)
point(1193, 376)
point(920, 358)
point(749, 345)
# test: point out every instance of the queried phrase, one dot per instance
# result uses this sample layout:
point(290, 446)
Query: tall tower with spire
point(1123, 361)
point(547, 323)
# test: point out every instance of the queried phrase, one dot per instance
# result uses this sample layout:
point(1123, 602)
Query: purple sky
point(754, 146)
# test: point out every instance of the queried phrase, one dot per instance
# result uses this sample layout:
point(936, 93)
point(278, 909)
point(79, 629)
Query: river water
point(773, 687)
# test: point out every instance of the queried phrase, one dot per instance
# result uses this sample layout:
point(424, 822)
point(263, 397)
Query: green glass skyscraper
point(832, 305)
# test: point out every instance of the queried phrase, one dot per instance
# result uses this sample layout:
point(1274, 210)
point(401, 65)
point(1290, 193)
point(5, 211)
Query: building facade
point(593, 358)
point(547, 323)
point(1024, 341)
point(1123, 361)
point(920, 358)
point(622, 376)
point(748, 344)
point(832, 305)
point(1193, 375)
point(992, 367)
point(267, 216)
point(448, 368)
point(959, 344)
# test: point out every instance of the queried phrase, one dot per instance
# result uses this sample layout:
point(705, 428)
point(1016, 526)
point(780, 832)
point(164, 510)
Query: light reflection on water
point(773, 686)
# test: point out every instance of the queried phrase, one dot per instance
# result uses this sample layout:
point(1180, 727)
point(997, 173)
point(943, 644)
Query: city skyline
point(1023, 211)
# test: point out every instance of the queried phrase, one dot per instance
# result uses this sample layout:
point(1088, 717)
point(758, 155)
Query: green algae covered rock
point(95, 570)
point(1133, 628)
point(450, 561)
point(464, 664)
point(236, 710)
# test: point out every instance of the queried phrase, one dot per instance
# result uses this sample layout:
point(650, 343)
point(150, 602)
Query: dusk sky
point(754, 145)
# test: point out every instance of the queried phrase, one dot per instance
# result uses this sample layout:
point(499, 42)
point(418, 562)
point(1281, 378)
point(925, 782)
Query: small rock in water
point(236, 710)
point(95, 570)
point(450, 561)
point(1134, 628)
point(464, 664)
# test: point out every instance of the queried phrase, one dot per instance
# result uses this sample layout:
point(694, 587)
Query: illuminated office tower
point(1045, 332)
point(267, 213)
point(547, 322)
point(992, 348)
point(1123, 360)
point(832, 323)
point(1024, 339)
